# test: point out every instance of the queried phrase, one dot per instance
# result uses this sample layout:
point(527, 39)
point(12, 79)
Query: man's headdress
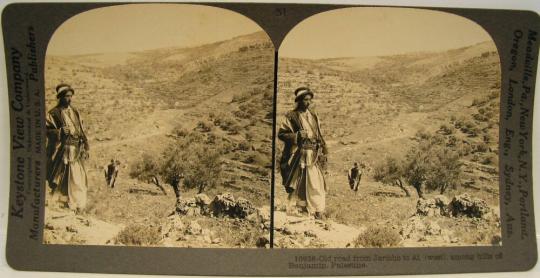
point(301, 92)
point(63, 89)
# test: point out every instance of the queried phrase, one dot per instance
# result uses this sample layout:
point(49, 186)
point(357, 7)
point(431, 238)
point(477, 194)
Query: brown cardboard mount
point(25, 250)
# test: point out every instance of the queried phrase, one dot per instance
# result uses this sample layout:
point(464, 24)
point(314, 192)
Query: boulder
point(194, 228)
point(173, 227)
point(435, 206)
point(413, 229)
point(465, 205)
point(226, 205)
point(203, 202)
point(261, 217)
point(310, 233)
point(187, 206)
point(243, 208)
point(433, 229)
point(223, 204)
point(286, 230)
point(262, 242)
point(202, 199)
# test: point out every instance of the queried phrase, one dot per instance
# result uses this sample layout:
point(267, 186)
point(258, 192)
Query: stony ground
point(374, 107)
point(135, 105)
point(369, 109)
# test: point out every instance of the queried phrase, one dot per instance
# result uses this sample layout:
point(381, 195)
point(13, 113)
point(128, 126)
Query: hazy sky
point(355, 32)
point(145, 26)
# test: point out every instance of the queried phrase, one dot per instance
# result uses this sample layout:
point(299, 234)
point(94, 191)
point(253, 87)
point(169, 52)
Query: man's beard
point(65, 103)
point(302, 106)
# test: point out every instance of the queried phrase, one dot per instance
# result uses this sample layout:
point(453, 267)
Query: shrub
point(199, 162)
point(228, 124)
point(490, 159)
point(445, 171)
point(480, 117)
point(446, 130)
point(423, 134)
point(377, 236)
point(244, 146)
point(139, 234)
point(477, 102)
point(191, 155)
point(452, 141)
point(481, 147)
point(179, 131)
point(240, 97)
point(205, 126)
point(487, 160)
point(145, 168)
point(433, 164)
point(494, 94)
point(464, 149)
point(390, 172)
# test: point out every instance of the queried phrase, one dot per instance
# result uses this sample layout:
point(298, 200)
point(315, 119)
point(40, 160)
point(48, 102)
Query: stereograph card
point(270, 139)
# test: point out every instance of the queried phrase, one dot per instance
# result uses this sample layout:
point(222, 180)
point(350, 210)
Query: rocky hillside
point(377, 107)
point(138, 104)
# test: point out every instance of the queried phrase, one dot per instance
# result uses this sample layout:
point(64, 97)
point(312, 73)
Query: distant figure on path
point(67, 149)
point(112, 172)
point(354, 175)
point(304, 156)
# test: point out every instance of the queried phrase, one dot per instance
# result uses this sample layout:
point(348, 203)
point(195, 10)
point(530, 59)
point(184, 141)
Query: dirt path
point(302, 231)
point(65, 227)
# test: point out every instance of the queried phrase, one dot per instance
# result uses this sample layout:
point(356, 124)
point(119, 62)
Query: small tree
point(191, 155)
point(148, 169)
point(415, 169)
point(199, 162)
point(445, 169)
point(390, 172)
point(432, 163)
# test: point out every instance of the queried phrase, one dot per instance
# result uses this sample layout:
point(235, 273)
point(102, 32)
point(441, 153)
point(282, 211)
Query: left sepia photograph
point(159, 128)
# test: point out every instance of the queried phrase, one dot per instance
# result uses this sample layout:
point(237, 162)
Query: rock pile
point(435, 206)
point(226, 205)
point(223, 205)
point(239, 213)
point(461, 205)
point(174, 230)
point(465, 205)
point(467, 212)
point(417, 229)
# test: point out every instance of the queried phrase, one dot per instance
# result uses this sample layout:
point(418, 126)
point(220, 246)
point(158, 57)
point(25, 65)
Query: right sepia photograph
point(387, 131)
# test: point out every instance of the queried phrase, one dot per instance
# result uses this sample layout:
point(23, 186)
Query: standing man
point(112, 173)
point(67, 148)
point(304, 156)
point(354, 175)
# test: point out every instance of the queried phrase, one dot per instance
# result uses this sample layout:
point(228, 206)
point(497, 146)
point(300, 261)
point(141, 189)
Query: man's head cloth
point(301, 93)
point(63, 89)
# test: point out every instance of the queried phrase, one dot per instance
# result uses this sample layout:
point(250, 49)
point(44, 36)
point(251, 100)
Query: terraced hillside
point(372, 108)
point(138, 105)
